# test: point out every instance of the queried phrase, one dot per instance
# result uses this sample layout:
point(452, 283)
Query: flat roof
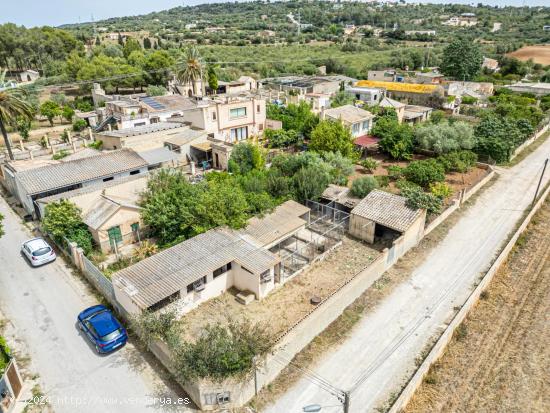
point(387, 209)
point(65, 174)
point(143, 130)
point(399, 86)
point(348, 113)
point(284, 220)
point(159, 276)
point(184, 137)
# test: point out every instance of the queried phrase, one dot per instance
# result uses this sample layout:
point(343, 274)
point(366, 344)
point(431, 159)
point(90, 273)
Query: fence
point(441, 344)
point(11, 385)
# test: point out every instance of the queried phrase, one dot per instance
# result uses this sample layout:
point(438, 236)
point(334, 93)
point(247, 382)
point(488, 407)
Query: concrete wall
point(362, 228)
point(439, 348)
point(529, 141)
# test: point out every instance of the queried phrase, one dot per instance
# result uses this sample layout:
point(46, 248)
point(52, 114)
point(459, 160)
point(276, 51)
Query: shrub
point(154, 325)
point(146, 249)
point(416, 198)
point(95, 145)
point(361, 187)
point(441, 190)
point(245, 157)
point(370, 164)
point(282, 138)
point(60, 155)
point(79, 125)
point(424, 172)
point(461, 161)
point(395, 172)
point(403, 185)
point(468, 100)
point(445, 137)
point(383, 180)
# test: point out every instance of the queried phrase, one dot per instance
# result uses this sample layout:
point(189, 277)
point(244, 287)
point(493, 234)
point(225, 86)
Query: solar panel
point(153, 103)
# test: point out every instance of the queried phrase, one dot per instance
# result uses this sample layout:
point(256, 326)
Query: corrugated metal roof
point(387, 209)
point(106, 164)
point(173, 269)
point(184, 137)
point(80, 154)
point(284, 220)
point(101, 211)
point(158, 155)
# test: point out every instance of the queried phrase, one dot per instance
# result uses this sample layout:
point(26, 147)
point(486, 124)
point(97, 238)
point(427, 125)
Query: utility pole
point(540, 182)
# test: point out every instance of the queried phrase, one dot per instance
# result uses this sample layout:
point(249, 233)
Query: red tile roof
point(366, 140)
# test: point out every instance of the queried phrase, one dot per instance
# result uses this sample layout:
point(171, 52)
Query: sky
point(56, 12)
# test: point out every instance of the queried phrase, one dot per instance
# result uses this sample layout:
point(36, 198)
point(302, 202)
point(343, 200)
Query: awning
point(203, 146)
point(366, 140)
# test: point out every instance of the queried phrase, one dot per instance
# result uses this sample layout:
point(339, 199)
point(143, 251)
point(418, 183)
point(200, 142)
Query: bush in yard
point(395, 139)
point(370, 164)
point(383, 180)
point(341, 167)
point(461, 161)
point(403, 185)
point(361, 187)
point(310, 182)
point(424, 172)
point(416, 199)
point(441, 190)
point(395, 172)
point(245, 157)
point(154, 325)
point(331, 136)
point(79, 125)
point(445, 137)
point(50, 110)
point(145, 250)
point(222, 351)
point(282, 138)
point(63, 220)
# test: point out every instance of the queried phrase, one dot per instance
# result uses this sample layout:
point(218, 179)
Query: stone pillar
point(69, 137)
point(31, 155)
point(91, 135)
point(74, 146)
point(193, 168)
point(21, 144)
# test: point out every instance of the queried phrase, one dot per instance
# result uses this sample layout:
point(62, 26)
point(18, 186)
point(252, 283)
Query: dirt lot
point(499, 359)
point(287, 305)
point(539, 54)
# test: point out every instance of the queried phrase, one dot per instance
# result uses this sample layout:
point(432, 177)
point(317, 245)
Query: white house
point(358, 120)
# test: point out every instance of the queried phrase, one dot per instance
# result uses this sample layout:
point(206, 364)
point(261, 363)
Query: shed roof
point(105, 164)
point(284, 220)
point(391, 103)
point(387, 209)
point(349, 113)
point(158, 156)
point(156, 278)
point(184, 137)
point(143, 130)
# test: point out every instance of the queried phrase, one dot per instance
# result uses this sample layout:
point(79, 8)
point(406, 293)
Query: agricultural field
point(499, 359)
point(539, 54)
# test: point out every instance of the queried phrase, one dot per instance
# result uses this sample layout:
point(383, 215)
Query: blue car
point(102, 328)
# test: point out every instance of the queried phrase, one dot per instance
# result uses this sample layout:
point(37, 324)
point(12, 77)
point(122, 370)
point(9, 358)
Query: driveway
point(380, 353)
point(42, 305)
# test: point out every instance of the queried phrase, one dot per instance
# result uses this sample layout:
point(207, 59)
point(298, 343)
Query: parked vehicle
point(38, 252)
point(102, 328)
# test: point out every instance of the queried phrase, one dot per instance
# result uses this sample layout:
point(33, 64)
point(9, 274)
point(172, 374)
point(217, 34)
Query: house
point(301, 85)
point(29, 184)
point(539, 89)
point(140, 137)
point(395, 105)
point(413, 93)
point(241, 85)
point(370, 96)
point(479, 90)
point(428, 78)
point(27, 76)
point(382, 216)
point(317, 101)
point(464, 20)
point(266, 33)
point(126, 113)
point(490, 64)
point(416, 114)
point(389, 75)
point(110, 210)
point(359, 121)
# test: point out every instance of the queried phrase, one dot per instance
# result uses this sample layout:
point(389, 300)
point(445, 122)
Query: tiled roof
point(285, 219)
point(171, 270)
point(106, 164)
point(387, 209)
point(348, 113)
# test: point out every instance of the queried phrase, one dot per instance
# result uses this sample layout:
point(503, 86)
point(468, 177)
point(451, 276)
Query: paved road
point(381, 351)
point(42, 304)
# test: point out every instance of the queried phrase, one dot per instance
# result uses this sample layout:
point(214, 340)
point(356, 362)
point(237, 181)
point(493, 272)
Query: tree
point(158, 64)
point(282, 138)
point(444, 137)
point(155, 90)
point(296, 117)
point(79, 125)
point(63, 220)
point(130, 46)
point(245, 157)
point(395, 139)
point(23, 126)
point(424, 172)
point(462, 59)
point(331, 136)
point(192, 70)
point(341, 98)
point(212, 79)
point(67, 112)
point(310, 182)
point(146, 43)
point(50, 110)
point(416, 198)
point(361, 187)
point(12, 107)
point(97, 41)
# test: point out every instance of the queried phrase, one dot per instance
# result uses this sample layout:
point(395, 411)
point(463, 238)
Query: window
point(134, 172)
point(355, 128)
point(108, 179)
point(265, 277)
point(237, 113)
point(197, 285)
point(141, 124)
point(239, 134)
point(258, 109)
point(135, 227)
point(214, 116)
point(115, 236)
point(222, 270)
point(261, 127)
point(365, 125)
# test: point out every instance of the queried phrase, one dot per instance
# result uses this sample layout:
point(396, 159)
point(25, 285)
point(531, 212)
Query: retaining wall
point(529, 141)
point(441, 344)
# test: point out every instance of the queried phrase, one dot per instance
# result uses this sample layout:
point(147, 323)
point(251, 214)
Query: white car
point(38, 252)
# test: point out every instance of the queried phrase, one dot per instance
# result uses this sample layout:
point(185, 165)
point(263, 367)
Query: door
point(217, 162)
point(115, 236)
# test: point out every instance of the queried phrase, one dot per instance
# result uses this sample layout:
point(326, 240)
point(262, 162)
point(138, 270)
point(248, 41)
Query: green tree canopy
point(63, 220)
point(462, 59)
point(50, 110)
point(395, 139)
point(444, 137)
point(294, 117)
point(245, 157)
point(331, 136)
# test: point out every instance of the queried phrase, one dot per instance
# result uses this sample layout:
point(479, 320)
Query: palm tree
point(192, 70)
point(12, 106)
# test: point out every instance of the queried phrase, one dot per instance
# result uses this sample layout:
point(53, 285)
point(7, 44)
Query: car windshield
point(41, 251)
point(111, 336)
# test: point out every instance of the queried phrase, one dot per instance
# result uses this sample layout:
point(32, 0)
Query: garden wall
point(529, 141)
point(441, 344)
